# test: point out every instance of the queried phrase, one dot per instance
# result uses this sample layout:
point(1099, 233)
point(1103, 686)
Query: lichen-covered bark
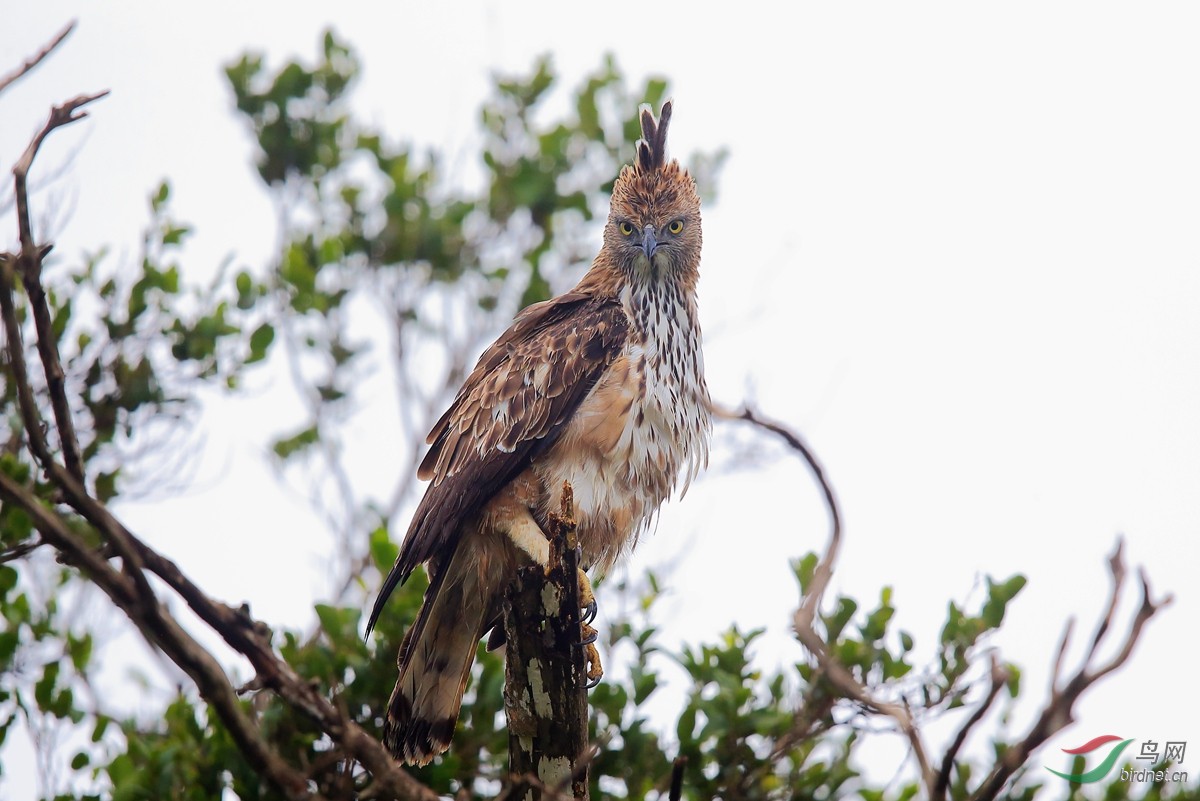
point(545, 688)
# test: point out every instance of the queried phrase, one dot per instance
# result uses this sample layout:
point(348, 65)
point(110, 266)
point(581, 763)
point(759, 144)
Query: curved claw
point(587, 598)
point(591, 655)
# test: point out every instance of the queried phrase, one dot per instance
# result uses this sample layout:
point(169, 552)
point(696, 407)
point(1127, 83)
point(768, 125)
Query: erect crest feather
point(653, 188)
point(652, 147)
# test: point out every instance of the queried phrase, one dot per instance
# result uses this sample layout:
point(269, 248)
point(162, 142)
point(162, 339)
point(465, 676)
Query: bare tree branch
point(999, 677)
point(238, 629)
point(31, 62)
point(129, 587)
point(824, 571)
point(66, 480)
point(161, 630)
point(30, 263)
point(1059, 710)
point(1061, 653)
point(243, 633)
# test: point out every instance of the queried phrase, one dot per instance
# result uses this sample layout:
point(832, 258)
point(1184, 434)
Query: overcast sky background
point(955, 245)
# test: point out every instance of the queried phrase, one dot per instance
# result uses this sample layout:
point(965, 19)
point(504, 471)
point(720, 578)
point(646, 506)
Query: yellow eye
point(675, 227)
point(626, 229)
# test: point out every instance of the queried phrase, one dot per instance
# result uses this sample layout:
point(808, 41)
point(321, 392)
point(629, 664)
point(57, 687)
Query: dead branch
point(129, 587)
point(162, 631)
point(31, 62)
point(29, 261)
point(130, 591)
point(1055, 715)
point(999, 677)
point(824, 571)
point(1059, 709)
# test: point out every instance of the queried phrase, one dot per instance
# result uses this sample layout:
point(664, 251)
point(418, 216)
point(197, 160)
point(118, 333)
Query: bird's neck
point(663, 313)
point(607, 279)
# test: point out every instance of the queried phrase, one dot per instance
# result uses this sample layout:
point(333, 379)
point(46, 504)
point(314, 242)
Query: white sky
point(956, 246)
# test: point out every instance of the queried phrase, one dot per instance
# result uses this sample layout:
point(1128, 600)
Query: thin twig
point(16, 363)
point(30, 261)
point(1059, 709)
point(36, 58)
point(1061, 654)
point(19, 551)
point(999, 677)
point(1116, 569)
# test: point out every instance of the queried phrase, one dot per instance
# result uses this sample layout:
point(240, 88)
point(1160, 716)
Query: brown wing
point(511, 409)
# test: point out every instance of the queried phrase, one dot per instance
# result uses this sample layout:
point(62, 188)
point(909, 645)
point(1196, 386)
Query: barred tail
point(435, 661)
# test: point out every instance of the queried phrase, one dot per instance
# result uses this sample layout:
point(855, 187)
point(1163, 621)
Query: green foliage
point(374, 219)
point(143, 345)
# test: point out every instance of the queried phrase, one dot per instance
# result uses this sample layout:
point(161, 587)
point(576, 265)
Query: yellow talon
point(587, 598)
point(591, 654)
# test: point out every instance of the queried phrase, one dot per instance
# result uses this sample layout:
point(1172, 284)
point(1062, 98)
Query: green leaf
point(80, 651)
point(43, 689)
point(101, 726)
point(876, 624)
point(106, 485)
point(383, 550)
point(8, 580)
point(998, 597)
point(837, 621)
point(260, 341)
point(805, 568)
point(1013, 684)
point(339, 623)
point(160, 196)
point(288, 447)
point(174, 234)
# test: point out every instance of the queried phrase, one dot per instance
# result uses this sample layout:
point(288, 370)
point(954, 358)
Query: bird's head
point(653, 229)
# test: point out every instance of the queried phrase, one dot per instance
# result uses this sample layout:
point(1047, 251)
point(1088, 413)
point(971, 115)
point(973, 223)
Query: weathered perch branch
point(545, 680)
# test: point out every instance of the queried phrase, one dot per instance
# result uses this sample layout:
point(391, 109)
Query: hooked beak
point(649, 244)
